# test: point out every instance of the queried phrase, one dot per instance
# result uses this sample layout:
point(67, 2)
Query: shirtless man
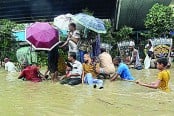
point(135, 59)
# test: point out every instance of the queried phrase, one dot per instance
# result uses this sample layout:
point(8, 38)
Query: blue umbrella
point(90, 22)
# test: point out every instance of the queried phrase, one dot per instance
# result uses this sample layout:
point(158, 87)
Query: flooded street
point(18, 98)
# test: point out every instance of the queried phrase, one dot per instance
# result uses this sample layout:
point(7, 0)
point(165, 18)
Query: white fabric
point(76, 34)
point(62, 21)
point(147, 62)
point(151, 49)
point(72, 45)
point(131, 43)
point(132, 56)
point(10, 67)
point(137, 58)
point(77, 69)
point(147, 45)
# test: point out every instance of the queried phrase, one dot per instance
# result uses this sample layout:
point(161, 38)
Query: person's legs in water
point(102, 71)
point(88, 79)
point(53, 57)
point(103, 74)
point(98, 83)
point(51, 71)
point(54, 72)
point(65, 81)
point(52, 76)
point(55, 76)
point(91, 81)
point(138, 67)
point(75, 81)
point(61, 77)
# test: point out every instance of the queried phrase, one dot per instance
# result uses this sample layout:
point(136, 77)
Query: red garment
point(31, 74)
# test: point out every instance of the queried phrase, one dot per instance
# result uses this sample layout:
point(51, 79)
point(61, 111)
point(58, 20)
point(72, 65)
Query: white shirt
point(72, 45)
point(77, 69)
point(151, 48)
point(10, 67)
point(76, 34)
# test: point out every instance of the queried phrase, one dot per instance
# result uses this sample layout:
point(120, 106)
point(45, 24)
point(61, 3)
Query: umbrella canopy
point(42, 36)
point(62, 22)
point(90, 22)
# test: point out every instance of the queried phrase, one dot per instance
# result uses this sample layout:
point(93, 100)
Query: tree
point(114, 37)
point(159, 20)
point(124, 33)
point(7, 40)
point(107, 37)
point(19, 27)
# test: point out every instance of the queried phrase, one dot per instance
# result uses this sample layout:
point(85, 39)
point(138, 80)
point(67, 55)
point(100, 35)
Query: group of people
point(76, 72)
point(93, 70)
point(89, 72)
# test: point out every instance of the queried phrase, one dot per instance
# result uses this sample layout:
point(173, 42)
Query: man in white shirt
point(74, 76)
point(9, 66)
point(73, 39)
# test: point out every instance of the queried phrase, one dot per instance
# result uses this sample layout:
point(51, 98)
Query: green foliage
point(42, 58)
point(124, 33)
point(6, 28)
point(7, 41)
point(19, 27)
point(107, 37)
point(159, 20)
point(147, 35)
point(113, 38)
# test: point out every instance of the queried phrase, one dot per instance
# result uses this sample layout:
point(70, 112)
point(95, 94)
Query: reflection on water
point(19, 98)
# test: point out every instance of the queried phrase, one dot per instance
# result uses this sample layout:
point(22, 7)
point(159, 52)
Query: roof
point(32, 10)
point(133, 13)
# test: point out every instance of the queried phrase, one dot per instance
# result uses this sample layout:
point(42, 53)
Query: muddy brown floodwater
point(119, 98)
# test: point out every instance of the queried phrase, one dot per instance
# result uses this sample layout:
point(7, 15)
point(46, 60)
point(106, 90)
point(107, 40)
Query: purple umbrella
point(42, 36)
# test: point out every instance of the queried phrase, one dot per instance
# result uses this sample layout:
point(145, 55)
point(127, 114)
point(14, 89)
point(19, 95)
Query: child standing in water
point(163, 76)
